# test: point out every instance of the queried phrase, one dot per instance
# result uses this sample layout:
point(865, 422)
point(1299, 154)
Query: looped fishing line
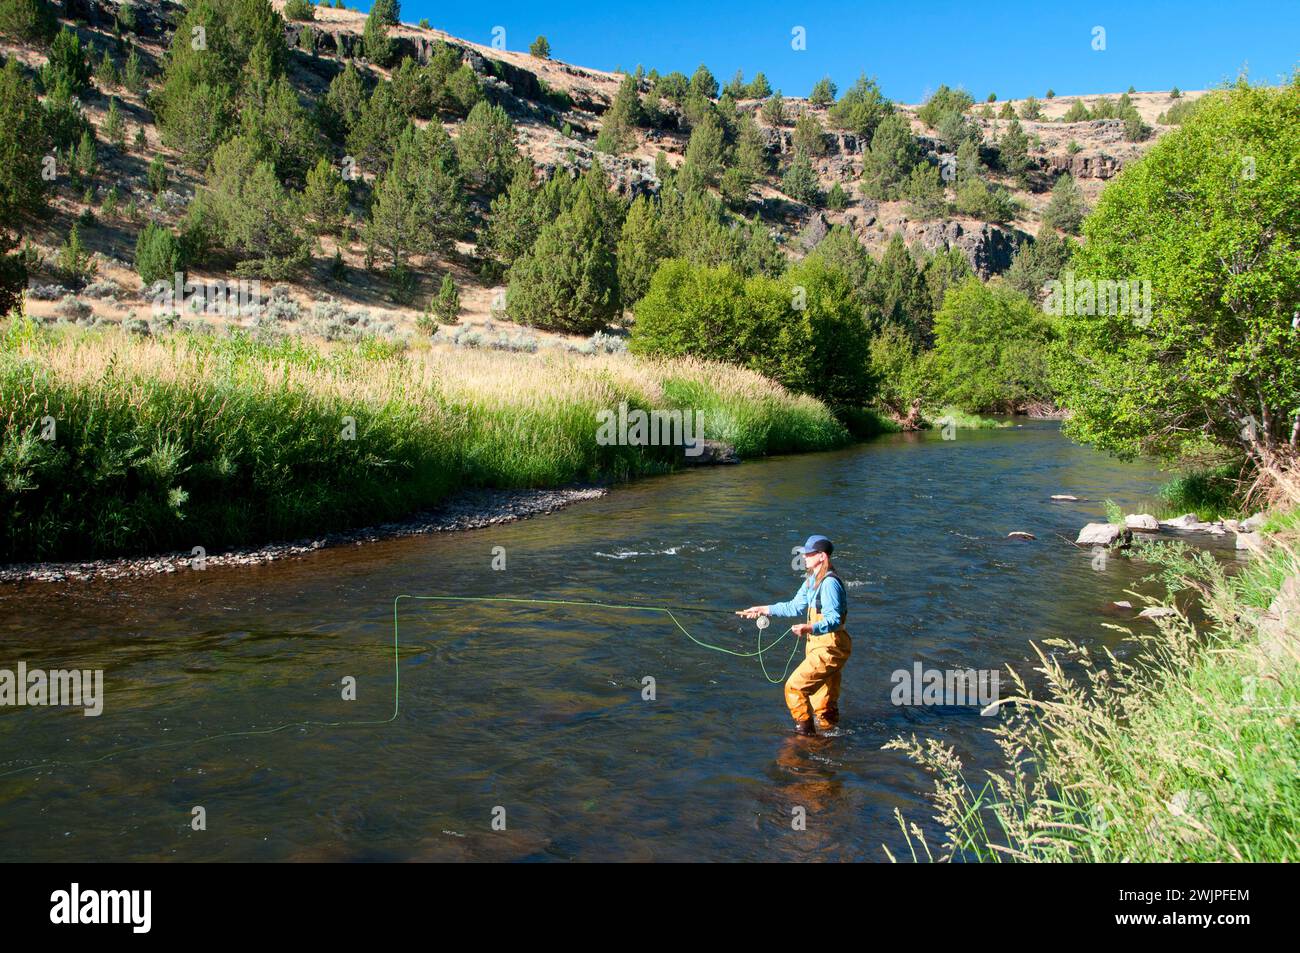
point(762, 650)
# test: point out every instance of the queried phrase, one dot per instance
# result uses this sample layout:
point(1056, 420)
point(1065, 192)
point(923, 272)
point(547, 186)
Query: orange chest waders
point(814, 687)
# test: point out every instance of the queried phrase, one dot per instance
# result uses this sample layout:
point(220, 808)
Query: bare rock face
point(1142, 523)
point(1081, 165)
point(989, 248)
point(815, 231)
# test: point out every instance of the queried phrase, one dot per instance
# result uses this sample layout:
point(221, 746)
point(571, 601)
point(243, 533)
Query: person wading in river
point(813, 689)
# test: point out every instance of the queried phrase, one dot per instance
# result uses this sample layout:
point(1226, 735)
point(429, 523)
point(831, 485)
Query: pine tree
point(800, 181)
point(891, 158)
point(823, 92)
point(1066, 209)
point(157, 254)
point(486, 148)
point(704, 151)
point(447, 304)
point(378, 45)
point(387, 12)
point(540, 48)
point(1013, 151)
point(419, 206)
point(774, 110)
point(617, 131)
point(568, 281)
point(324, 200)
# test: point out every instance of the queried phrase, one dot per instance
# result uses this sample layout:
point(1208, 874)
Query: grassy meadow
point(116, 444)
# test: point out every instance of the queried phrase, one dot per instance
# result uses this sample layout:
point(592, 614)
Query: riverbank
point(114, 446)
point(473, 509)
point(1190, 752)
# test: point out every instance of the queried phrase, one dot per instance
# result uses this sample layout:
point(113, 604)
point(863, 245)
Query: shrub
point(540, 48)
point(157, 254)
point(299, 10)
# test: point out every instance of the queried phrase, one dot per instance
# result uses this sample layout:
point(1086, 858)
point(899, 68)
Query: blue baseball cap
point(816, 544)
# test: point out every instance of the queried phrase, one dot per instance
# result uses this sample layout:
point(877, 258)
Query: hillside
point(557, 110)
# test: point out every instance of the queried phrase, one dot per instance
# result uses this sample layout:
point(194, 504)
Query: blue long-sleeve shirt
point(833, 607)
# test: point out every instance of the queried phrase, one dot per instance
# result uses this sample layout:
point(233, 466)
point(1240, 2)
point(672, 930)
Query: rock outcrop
point(988, 248)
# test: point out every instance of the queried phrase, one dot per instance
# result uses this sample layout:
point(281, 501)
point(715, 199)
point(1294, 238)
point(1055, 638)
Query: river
point(533, 718)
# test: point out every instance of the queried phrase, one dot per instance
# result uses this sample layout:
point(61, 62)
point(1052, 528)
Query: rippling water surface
point(539, 710)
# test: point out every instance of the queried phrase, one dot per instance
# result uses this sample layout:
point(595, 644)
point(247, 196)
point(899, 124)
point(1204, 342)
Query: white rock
point(1252, 524)
point(1098, 534)
point(1142, 522)
point(1123, 605)
point(1019, 534)
point(1064, 496)
point(1250, 541)
point(1186, 521)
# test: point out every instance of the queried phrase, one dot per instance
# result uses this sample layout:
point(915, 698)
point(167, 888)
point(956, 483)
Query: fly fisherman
point(813, 689)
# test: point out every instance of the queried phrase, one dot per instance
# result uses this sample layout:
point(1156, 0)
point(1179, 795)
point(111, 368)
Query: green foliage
point(324, 200)
point(67, 64)
point(133, 73)
point(299, 10)
point(889, 162)
point(540, 48)
point(419, 206)
point(375, 41)
point(980, 199)
point(941, 103)
point(156, 175)
point(803, 329)
point(1177, 114)
point(286, 132)
point(486, 148)
point(800, 180)
point(944, 270)
point(809, 136)
point(837, 199)
point(1038, 262)
point(1031, 109)
point(924, 192)
point(343, 103)
point(703, 84)
point(900, 370)
point(1077, 112)
point(387, 12)
point(74, 261)
point(823, 92)
point(447, 305)
point(376, 130)
point(112, 127)
point(895, 292)
point(618, 128)
point(758, 88)
point(774, 110)
point(641, 246)
point(1066, 210)
point(704, 151)
point(862, 109)
point(30, 21)
point(991, 349)
point(1013, 151)
point(157, 254)
point(252, 214)
point(1209, 217)
point(568, 280)
point(24, 141)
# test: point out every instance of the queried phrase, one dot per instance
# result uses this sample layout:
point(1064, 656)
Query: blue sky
point(1013, 48)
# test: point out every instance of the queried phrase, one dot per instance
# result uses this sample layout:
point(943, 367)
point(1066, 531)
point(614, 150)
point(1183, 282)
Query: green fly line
point(252, 732)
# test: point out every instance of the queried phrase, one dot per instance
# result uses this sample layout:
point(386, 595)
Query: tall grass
point(1190, 753)
point(169, 443)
